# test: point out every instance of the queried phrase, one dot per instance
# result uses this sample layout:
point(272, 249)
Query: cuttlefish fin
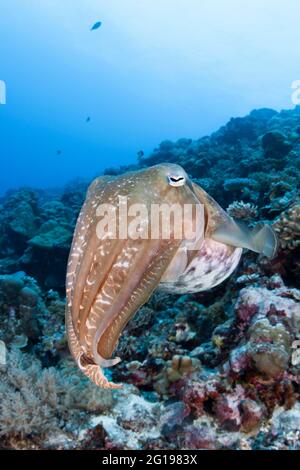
point(223, 228)
point(262, 239)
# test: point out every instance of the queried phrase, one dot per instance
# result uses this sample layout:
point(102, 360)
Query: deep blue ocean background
point(154, 70)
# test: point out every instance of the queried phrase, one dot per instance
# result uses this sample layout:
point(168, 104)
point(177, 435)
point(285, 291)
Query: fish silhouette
point(97, 25)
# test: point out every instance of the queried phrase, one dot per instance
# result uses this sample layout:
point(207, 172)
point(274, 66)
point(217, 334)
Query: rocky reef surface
point(216, 370)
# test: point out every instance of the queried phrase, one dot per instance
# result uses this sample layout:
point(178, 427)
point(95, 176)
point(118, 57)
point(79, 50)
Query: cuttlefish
point(110, 277)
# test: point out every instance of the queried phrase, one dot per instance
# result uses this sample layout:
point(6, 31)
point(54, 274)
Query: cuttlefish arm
point(108, 280)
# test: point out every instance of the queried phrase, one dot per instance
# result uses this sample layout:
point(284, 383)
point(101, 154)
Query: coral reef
point(36, 233)
point(214, 370)
point(42, 403)
point(242, 210)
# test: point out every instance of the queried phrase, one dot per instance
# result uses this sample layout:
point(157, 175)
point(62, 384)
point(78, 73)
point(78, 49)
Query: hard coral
point(287, 227)
point(40, 402)
point(242, 210)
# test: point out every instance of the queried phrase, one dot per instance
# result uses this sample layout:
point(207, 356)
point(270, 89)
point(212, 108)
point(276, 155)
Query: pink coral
point(227, 409)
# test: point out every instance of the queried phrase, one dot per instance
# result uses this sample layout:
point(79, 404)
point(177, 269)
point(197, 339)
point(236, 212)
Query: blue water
point(154, 70)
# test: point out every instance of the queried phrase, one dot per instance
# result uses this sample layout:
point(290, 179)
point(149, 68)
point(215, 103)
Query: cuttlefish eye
point(176, 180)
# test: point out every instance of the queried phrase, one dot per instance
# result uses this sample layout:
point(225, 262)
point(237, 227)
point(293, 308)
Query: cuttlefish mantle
point(110, 278)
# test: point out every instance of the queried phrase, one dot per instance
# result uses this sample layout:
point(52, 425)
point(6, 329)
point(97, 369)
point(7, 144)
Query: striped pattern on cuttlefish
point(108, 279)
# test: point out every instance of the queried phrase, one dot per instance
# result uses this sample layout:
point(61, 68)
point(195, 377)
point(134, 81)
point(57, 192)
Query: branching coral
point(242, 210)
point(42, 402)
point(178, 367)
point(288, 227)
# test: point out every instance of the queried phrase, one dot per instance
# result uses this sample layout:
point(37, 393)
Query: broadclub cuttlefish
point(110, 278)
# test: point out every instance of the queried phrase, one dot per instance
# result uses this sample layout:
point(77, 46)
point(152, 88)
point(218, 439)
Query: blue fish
point(96, 25)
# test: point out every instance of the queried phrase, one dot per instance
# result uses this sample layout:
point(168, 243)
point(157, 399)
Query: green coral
point(52, 236)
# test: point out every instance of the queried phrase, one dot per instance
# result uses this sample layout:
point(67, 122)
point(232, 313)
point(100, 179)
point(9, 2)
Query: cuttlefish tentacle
point(131, 286)
point(142, 278)
point(81, 265)
point(90, 370)
point(81, 235)
point(89, 250)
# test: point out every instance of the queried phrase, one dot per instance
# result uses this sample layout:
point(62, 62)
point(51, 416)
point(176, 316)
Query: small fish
point(88, 119)
point(96, 25)
point(140, 154)
point(58, 152)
